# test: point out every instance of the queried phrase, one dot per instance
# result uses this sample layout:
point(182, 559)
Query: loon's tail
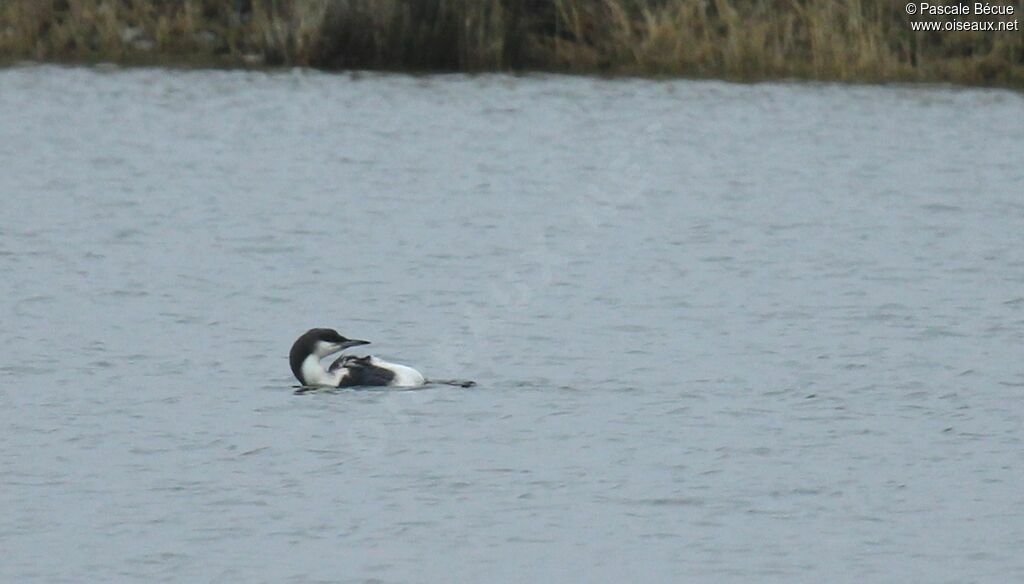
point(455, 382)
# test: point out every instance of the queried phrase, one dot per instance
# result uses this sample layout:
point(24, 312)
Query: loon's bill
point(347, 370)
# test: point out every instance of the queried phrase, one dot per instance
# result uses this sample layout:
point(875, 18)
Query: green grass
point(835, 40)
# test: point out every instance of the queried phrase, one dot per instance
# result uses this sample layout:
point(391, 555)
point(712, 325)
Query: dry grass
point(845, 40)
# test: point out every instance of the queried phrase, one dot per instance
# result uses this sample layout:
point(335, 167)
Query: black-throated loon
point(349, 371)
point(346, 371)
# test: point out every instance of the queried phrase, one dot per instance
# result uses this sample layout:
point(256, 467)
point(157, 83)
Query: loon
point(346, 371)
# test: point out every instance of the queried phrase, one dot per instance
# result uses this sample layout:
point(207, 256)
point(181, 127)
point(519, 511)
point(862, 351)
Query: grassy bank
point(842, 40)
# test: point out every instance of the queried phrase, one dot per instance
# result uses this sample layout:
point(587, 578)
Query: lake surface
point(722, 333)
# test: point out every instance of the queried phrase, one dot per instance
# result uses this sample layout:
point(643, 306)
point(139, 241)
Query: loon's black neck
point(303, 348)
point(295, 359)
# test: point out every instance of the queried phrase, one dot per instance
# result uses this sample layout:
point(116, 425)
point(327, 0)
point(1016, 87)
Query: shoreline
point(857, 42)
point(358, 74)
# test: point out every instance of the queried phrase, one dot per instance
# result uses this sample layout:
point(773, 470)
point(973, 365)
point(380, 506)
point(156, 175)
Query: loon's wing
point(342, 361)
point(362, 371)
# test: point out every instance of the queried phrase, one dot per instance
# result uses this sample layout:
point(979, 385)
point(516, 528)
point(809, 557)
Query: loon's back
point(370, 370)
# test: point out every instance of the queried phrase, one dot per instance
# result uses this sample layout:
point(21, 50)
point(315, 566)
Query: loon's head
point(324, 341)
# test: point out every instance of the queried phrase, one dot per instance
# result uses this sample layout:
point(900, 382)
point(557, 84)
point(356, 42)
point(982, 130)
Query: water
point(722, 333)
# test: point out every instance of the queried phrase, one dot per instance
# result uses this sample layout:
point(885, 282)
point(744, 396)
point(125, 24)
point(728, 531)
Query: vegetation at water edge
point(836, 40)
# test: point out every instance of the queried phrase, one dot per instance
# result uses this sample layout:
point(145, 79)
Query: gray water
point(722, 333)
